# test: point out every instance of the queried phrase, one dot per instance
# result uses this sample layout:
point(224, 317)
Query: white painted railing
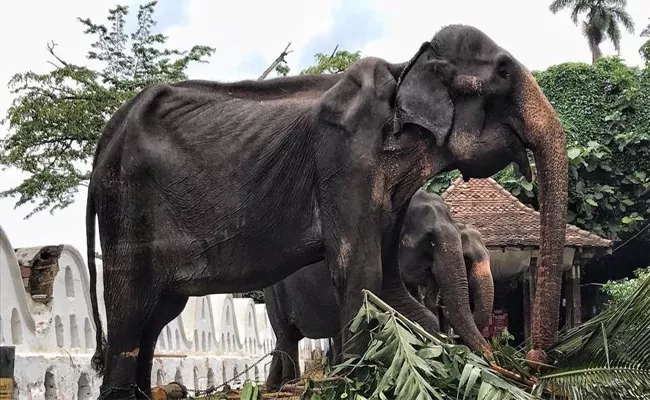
point(215, 338)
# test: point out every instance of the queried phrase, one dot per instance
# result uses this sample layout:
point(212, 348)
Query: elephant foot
point(536, 358)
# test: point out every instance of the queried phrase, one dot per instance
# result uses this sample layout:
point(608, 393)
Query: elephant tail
point(97, 361)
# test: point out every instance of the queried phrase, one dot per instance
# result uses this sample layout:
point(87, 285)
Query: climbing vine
point(605, 111)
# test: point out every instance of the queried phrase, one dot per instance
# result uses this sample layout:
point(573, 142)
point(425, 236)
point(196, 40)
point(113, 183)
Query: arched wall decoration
point(231, 333)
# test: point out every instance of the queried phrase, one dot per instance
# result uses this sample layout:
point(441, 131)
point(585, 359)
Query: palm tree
point(602, 21)
point(645, 48)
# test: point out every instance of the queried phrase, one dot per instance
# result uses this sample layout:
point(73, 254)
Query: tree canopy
point(57, 117)
point(604, 110)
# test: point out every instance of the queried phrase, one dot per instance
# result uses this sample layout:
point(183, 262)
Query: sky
point(248, 35)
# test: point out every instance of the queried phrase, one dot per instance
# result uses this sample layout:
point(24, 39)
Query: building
point(510, 230)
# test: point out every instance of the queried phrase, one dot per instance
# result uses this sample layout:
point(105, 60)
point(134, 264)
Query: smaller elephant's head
point(431, 257)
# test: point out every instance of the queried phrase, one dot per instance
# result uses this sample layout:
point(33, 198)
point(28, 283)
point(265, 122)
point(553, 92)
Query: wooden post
point(577, 299)
point(7, 358)
point(567, 284)
point(530, 279)
point(572, 292)
point(527, 310)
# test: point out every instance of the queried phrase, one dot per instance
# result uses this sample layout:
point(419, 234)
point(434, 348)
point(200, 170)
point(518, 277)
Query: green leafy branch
point(57, 117)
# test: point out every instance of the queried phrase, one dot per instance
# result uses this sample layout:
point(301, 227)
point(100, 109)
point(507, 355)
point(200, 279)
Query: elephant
point(304, 303)
point(429, 271)
point(202, 187)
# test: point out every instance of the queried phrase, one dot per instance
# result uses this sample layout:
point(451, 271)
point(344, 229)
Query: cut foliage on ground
point(605, 358)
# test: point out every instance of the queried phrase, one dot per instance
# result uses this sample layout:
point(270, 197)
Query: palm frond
point(407, 362)
point(614, 34)
point(646, 31)
point(579, 8)
point(558, 5)
point(619, 15)
point(608, 357)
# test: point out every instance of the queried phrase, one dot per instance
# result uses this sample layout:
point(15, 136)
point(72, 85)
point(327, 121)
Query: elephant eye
point(504, 62)
point(502, 71)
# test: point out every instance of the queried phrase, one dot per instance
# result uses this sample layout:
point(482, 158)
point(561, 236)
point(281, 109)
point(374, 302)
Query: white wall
point(213, 338)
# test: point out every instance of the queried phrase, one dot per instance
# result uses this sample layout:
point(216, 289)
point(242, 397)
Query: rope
point(633, 237)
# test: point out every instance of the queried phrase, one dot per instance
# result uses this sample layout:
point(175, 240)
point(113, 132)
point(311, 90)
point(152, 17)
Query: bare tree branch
point(50, 49)
point(334, 52)
point(276, 62)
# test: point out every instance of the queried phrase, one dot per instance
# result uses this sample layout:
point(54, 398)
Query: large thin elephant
point(204, 187)
point(436, 253)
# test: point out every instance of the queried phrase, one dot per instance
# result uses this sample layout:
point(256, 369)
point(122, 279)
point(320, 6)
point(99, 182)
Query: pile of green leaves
point(608, 357)
point(404, 361)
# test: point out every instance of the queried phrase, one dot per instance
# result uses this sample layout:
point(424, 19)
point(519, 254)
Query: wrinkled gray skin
point(304, 303)
point(206, 187)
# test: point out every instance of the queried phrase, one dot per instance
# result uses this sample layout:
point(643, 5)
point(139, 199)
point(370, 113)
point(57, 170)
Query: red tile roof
point(502, 219)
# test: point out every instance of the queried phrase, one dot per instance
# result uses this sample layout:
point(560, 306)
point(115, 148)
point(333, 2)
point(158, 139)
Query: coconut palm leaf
point(607, 357)
point(404, 361)
point(603, 20)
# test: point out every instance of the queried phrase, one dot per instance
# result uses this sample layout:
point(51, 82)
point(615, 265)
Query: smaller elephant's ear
point(423, 95)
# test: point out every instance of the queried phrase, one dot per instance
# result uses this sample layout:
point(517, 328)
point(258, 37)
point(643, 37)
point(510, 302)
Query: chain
point(216, 388)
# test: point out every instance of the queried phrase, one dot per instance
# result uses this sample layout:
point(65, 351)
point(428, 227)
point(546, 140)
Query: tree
point(645, 47)
point(602, 21)
point(335, 63)
point(57, 117)
point(619, 291)
point(604, 111)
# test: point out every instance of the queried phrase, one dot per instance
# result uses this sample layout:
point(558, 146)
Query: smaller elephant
point(479, 276)
point(304, 303)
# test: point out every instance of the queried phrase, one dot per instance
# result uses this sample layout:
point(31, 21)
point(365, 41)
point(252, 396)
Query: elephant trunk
point(481, 288)
point(453, 287)
point(545, 136)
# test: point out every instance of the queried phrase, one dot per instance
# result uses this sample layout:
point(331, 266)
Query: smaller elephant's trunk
point(481, 288)
point(455, 295)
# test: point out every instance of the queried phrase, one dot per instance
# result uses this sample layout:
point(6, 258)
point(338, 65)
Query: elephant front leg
point(354, 261)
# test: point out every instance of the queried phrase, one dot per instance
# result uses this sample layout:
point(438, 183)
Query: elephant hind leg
point(285, 365)
point(167, 309)
point(128, 308)
point(290, 362)
point(274, 379)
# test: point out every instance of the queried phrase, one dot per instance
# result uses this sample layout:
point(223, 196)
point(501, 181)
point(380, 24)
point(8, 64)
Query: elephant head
point(484, 109)
point(431, 257)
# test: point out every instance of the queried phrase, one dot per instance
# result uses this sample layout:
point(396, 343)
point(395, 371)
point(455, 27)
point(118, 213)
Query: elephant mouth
point(497, 155)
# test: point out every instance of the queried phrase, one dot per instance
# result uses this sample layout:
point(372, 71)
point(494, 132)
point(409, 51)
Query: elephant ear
point(423, 95)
